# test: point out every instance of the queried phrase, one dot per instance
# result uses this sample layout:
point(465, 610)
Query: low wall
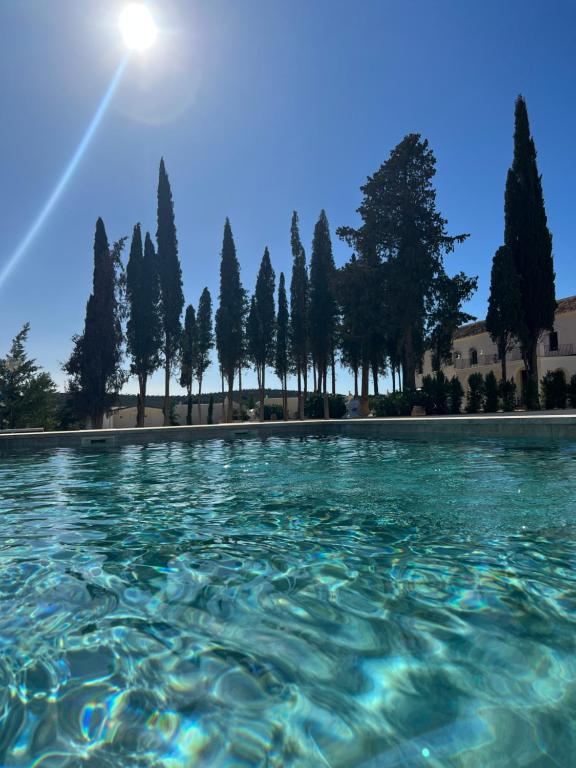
point(534, 426)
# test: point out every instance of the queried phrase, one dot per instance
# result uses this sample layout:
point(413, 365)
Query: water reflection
point(289, 603)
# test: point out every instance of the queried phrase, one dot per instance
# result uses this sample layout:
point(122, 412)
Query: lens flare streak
point(48, 207)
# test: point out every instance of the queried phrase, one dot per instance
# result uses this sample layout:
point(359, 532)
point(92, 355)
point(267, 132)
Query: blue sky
point(261, 107)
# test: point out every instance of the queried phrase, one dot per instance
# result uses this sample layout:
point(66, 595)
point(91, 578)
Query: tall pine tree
point(445, 314)
point(504, 311)
point(144, 327)
point(282, 361)
point(261, 325)
point(299, 314)
point(205, 342)
point(527, 236)
point(403, 226)
point(323, 306)
point(94, 365)
point(26, 392)
point(171, 295)
point(230, 315)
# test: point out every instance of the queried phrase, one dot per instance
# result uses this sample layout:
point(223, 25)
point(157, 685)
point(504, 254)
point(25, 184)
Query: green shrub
point(394, 404)
point(417, 397)
point(475, 394)
point(571, 391)
point(314, 406)
point(400, 404)
point(172, 416)
point(435, 393)
point(560, 389)
point(554, 389)
point(491, 392)
point(428, 387)
point(456, 395)
point(270, 410)
point(507, 392)
point(547, 387)
point(532, 401)
point(378, 405)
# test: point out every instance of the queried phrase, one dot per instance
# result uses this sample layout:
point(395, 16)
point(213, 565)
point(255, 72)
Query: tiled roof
point(473, 329)
point(566, 305)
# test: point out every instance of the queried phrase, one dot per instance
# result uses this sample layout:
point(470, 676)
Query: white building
point(124, 417)
point(474, 351)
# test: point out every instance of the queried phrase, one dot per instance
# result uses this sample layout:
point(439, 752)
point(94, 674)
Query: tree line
point(377, 314)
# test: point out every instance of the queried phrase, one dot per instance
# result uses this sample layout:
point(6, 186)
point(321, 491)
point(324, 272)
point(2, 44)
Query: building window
point(473, 357)
point(553, 341)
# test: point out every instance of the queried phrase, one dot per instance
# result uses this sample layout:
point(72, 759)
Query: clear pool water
point(320, 602)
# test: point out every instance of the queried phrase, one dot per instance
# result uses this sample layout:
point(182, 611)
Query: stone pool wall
point(533, 426)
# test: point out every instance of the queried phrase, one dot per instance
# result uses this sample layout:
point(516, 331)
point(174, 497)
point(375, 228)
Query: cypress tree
point(188, 356)
point(322, 304)
point(94, 365)
point(372, 298)
point(350, 290)
point(261, 324)
point(299, 312)
point(253, 335)
point(374, 301)
point(351, 349)
point(504, 311)
point(244, 351)
point(144, 328)
point(205, 342)
point(282, 330)
point(362, 300)
point(172, 297)
point(230, 315)
point(527, 236)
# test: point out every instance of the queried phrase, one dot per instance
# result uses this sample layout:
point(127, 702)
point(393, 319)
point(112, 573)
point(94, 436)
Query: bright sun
point(137, 26)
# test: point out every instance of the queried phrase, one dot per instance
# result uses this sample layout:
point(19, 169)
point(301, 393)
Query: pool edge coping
point(515, 425)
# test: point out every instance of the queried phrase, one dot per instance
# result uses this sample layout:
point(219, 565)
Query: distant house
point(473, 350)
point(125, 417)
point(181, 410)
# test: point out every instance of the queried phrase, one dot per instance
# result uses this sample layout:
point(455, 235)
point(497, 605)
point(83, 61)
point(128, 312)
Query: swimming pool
point(289, 602)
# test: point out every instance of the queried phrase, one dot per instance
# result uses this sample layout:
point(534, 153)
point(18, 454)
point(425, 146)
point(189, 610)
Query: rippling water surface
point(321, 602)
